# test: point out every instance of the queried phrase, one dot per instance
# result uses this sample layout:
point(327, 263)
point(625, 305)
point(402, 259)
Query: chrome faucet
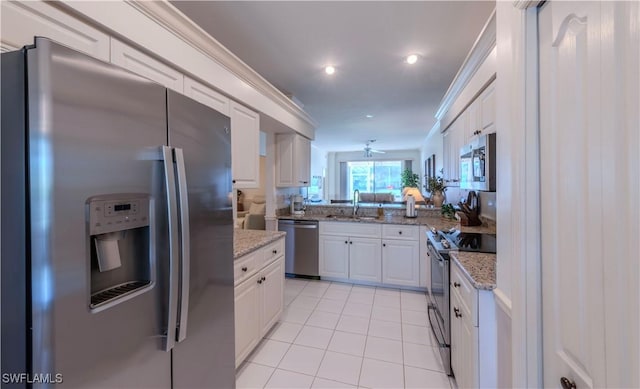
point(356, 201)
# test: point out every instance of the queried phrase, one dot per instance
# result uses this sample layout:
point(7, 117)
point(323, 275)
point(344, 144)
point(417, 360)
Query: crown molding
point(173, 20)
point(479, 52)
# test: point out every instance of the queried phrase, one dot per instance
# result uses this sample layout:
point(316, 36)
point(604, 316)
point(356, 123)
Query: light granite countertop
point(479, 268)
point(439, 223)
point(246, 241)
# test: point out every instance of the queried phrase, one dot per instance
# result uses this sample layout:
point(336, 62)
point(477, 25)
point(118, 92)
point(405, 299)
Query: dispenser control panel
point(117, 212)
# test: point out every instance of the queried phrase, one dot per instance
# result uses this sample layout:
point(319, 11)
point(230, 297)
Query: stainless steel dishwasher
point(301, 247)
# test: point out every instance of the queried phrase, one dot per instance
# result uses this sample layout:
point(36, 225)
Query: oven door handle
point(431, 324)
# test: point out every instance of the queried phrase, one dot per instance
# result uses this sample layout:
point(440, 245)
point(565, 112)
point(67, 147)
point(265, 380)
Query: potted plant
point(437, 188)
point(409, 179)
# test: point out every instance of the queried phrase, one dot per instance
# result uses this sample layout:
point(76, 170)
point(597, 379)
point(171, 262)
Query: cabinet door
point(145, 65)
point(473, 123)
point(446, 155)
point(293, 160)
point(272, 292)
point(302, 160)
point(247, 313)
point(245, 146)
point(23, 20)
point(400, 262)
point(464, 345)
point(285, 176)
point(334, 256)
point(488, 113)
point(205, 95)
point(365, 259)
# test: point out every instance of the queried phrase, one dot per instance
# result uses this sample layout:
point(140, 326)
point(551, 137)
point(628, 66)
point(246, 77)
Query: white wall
point(319, 167)
point(433, 144)
point(334, 159)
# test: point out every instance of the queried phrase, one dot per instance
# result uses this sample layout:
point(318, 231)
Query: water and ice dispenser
point(120, 234)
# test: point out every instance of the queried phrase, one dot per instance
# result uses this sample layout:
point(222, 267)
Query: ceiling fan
point(368, 151)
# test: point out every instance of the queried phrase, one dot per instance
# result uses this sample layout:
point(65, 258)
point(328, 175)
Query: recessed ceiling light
point(412, 58)
point(368, 116)
point(329, 69)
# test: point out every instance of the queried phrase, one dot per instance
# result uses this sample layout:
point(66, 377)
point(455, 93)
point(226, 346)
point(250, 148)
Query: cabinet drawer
point(399, 231)
point(467, 293)
point(272, 251)
point(246, 266)
point(363, 230)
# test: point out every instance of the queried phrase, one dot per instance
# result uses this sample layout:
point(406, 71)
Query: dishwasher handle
point(306, 226)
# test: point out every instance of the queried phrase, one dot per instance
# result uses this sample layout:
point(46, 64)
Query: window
point(371, 177)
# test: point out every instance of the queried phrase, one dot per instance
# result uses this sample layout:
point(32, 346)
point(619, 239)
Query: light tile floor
point(337, 335)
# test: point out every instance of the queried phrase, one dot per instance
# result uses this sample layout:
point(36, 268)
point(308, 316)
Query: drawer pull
point(244, 268)
point(456, 311)
point(456, 284)
point(384, 245)
point(264, 278)
point(400, 232)
point(260, 281)
point(275, 251)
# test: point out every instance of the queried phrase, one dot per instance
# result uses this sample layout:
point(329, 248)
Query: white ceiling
point(290, 42)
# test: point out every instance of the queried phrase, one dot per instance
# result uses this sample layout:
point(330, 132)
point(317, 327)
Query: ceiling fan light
point(329, 70)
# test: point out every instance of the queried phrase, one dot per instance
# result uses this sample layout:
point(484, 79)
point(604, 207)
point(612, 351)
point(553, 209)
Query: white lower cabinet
point(365, 259)
point(401, 262)
point(272, 293)
point(334, 256)
point(473, 333)
point(259, 301)
point(370, 253)
point(247, 306)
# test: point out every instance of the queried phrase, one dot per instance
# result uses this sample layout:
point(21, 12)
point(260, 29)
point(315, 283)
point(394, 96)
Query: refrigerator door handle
point(183, 310)
point(172, 209)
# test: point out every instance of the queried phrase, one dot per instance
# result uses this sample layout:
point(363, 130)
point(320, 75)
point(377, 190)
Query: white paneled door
point(589, 145)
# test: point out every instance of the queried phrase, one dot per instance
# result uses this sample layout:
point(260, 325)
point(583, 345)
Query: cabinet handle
point(567, 383)
point(345, 242)
point(456, 311)
point(456, 284)
point(260, 281)
point(400, 232)
point(233, 181)
point(275, 251)
point(428, 255)
point(384, 245)
point(244, 268)
point(264, 278)
point(350, 242)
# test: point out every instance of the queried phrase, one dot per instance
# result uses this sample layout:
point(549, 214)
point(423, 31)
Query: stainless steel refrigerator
point(117, 233)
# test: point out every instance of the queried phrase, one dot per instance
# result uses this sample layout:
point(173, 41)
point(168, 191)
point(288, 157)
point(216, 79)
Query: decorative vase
point(437, 198)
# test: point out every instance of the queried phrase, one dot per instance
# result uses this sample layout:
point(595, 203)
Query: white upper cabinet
point(21, 21)
point(145, 65)
point(482, 114)
point(293, 160)
point(206, 95)
point(453, 140)
point(245, 146)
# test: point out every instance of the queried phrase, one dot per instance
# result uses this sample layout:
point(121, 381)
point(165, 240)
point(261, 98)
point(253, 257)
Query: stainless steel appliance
point(478, 164)
point(117, 232)
point(301, 247)
point(297, 205)
point(439, 244)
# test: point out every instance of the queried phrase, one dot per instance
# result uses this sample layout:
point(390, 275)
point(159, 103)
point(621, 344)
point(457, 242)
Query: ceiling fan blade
point(378, 151)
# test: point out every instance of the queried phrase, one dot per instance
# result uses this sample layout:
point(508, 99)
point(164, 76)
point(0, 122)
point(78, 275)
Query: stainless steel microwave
point(478, 164)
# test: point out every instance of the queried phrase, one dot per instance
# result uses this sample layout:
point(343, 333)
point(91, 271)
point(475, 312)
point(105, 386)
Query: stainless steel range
point(439, 244)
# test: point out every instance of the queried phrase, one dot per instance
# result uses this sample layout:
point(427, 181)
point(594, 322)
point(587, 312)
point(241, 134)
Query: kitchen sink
point(351, 217)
